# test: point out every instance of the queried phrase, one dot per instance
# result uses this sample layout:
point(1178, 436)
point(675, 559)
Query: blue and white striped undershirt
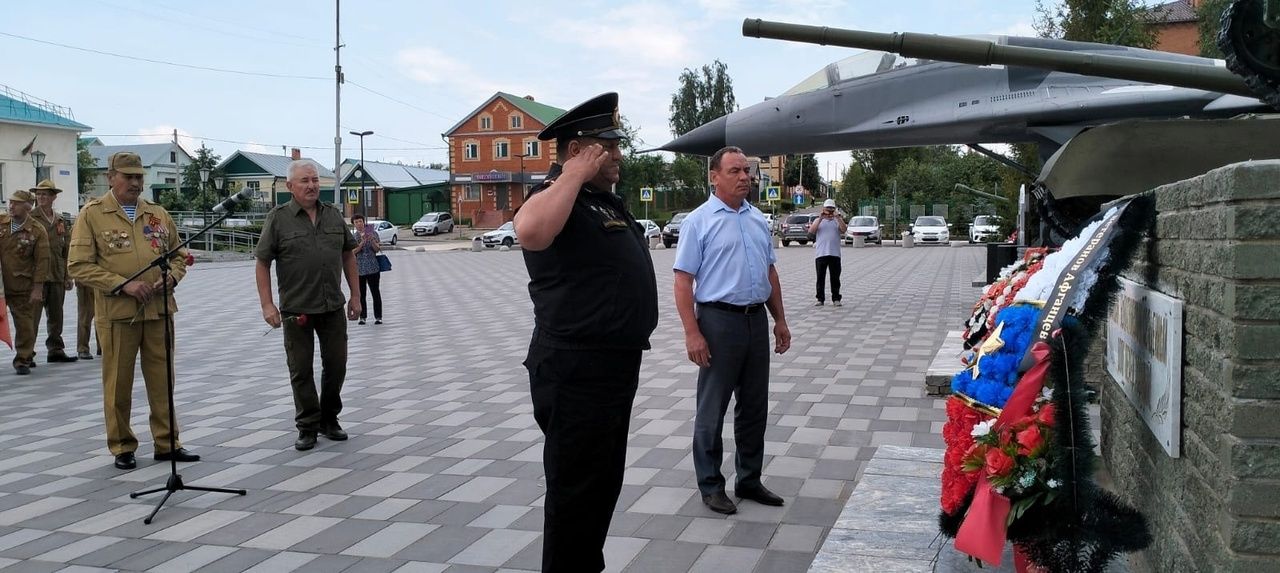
point(130, 211)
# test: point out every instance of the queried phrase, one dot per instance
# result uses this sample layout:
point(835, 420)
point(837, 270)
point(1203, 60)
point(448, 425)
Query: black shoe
point(377, 321)
point(60, 356)
point(180, 454)
point(22, 369)
point(86, 355)
point(126, 461)
point(306, 440)
point(361, 321)
point(720, 503)
point(334, 432)
point(759, 494)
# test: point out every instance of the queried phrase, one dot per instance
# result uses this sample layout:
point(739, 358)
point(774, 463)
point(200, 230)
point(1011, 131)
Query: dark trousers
point(312, 411)
point(55, 294)
point(582, 402)
point(739, 345)
point(367, 283)
point(822, 264)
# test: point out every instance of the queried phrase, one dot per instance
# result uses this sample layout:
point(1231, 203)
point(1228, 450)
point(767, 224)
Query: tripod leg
point(138, 494)
point(158, 506)
point(216, 489)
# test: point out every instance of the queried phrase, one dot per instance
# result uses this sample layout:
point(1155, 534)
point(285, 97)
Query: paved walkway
point(443, 470)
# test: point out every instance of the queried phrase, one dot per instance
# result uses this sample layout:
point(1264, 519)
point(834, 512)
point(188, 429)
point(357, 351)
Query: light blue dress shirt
point(727, 252)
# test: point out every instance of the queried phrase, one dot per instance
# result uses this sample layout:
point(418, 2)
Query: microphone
point(230, 203)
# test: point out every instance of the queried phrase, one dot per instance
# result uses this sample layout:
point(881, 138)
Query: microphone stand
point(174, 483)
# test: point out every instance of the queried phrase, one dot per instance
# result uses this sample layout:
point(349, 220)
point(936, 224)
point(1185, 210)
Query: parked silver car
point(651, 229)
point(433, 224)
point(796, 228)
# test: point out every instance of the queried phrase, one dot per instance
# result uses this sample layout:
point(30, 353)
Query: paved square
point(443, 469)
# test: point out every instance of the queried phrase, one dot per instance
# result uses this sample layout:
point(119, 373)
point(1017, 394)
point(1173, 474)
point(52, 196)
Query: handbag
point(384, 263)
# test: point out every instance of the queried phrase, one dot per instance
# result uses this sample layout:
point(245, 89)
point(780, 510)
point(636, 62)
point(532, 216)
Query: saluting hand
point(587, 164)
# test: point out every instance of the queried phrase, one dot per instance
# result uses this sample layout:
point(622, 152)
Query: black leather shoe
point(86, 355)
point(760, 495)
point(335, 432)
point(60, 357)
point(306, 440)
point(126, 461)
point(180, 454)
point(22, 369)
point(720, 503)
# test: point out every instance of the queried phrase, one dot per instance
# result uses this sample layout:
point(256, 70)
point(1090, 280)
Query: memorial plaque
point(1144, 356)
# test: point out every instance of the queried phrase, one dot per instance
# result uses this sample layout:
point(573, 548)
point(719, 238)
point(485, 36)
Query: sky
point(259, 75)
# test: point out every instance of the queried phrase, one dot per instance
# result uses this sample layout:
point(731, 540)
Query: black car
point(671, 232)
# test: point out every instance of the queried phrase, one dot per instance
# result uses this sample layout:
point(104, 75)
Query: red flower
point(1046, 416)
point(302, 320)
point(999, 464)
point(191, 259)
point(1029, 440)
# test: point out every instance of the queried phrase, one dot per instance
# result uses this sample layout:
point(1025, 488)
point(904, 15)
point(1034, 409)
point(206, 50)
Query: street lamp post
point(204, 204)
point(364, 199)
point(37, 160)
point(522, 182)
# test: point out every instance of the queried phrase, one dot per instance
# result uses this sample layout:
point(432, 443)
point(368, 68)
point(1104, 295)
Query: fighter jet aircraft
point(877, 99)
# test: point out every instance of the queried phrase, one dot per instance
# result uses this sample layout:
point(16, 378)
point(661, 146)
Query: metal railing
point(220, 239)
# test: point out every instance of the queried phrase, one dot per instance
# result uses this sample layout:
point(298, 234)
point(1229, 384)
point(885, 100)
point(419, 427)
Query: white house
point(163, 162)
point(33, 128)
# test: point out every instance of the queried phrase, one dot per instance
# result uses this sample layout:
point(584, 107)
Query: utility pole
point(337, 94)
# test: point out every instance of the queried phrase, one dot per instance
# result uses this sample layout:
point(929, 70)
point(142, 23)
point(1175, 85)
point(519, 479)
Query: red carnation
point(999, 464)
point(191, 259)
point(302, 320)
point(1046, 415)
point(1029, 440)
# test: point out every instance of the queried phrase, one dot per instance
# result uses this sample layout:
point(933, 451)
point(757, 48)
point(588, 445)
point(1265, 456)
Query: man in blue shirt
point(724, 279)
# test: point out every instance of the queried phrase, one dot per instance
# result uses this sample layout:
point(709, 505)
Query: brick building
point(1177, 26)
point(495, 156)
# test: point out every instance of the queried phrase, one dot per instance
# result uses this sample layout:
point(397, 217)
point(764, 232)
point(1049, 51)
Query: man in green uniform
point(115, 236)
point(314, 249)
point(24, 264)
point(55, 288)
point(84, 321)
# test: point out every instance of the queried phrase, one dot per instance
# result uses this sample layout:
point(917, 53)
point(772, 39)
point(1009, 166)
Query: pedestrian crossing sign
point(353, 196)
point(646, 194)
point(773, 193)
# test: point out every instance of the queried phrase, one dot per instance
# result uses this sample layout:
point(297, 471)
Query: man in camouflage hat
point(58, 229)
point(115, 236)
point(24, 264)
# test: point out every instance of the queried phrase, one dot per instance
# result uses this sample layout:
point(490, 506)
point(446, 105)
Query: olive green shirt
point(308, 256)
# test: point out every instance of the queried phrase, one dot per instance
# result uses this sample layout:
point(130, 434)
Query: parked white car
point(984, 228)
point(866, 226)
point(385, 230)
point(433, 224)
point(931, 229)
point(504, 236)
point(651, 229)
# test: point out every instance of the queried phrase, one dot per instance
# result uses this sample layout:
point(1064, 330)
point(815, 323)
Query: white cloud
point(652, 36)
point(164, 134)
point(1020, 28)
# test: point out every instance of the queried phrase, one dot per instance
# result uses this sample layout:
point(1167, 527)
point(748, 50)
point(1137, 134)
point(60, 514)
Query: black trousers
point(312, 411)
point(582, 402)
point(367, 283)
point(822, 264)
point(739, 345)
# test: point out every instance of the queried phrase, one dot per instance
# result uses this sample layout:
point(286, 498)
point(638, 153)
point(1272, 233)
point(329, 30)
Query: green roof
point(17, 107)
point(540, 111)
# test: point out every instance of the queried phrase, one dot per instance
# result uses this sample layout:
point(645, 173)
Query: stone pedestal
point(908, 241)
point(859, 241)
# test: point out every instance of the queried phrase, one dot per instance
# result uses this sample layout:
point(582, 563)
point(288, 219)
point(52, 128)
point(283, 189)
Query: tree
point(438, 166)
point(86, 168)
point(1119, 22)
point(1209, 13)
point(200, 196)
point(853, 188)
point(791, 175)
point(691, 180)
point(703, 95)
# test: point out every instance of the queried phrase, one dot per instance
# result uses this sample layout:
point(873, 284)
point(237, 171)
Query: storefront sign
point(1144, 356)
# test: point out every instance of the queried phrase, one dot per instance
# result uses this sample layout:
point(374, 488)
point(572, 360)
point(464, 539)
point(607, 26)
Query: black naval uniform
point(595, 302)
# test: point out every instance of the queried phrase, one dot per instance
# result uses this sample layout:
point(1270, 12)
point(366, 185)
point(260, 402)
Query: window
point(170, 180)
point(486, 122)
point(532, 148)
point(252, 186)
point(173, 157)
point(470, 192)
point(517, 121)
point(501, 149)
point(471, 151)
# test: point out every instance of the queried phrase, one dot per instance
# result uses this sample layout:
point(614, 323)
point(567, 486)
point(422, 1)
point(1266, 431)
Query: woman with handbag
point(368, 251)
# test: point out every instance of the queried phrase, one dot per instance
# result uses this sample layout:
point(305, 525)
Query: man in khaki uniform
point(24, 264)
point(84, 321)
point(115, 236)
point(55, 288)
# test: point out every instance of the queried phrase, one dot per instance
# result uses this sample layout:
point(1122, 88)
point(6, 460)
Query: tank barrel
point(982, 53)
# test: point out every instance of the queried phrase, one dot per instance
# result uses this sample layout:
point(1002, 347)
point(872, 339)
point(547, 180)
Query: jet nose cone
point(705, 139)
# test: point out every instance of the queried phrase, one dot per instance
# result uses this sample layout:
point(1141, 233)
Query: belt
point(748, 309)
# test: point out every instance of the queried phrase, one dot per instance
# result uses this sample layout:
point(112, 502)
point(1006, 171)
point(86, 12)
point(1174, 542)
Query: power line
point(404, 103)
point(162, 62)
